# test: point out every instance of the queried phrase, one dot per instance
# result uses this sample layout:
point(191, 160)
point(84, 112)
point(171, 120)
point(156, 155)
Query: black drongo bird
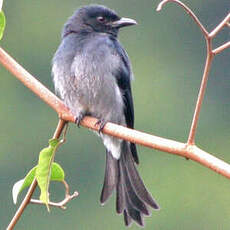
point(92, 73)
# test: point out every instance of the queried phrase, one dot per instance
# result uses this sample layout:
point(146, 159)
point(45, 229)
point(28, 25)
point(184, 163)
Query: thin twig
point(225, 22)
point(221, 48)
point(62, 203)
point(35, 86)
point(26, 201)
point(209, 58)
point(210, 54)
point(194, 17)
point(23, 205)
point(63, 140)
point(61, 125)
point(191, 137)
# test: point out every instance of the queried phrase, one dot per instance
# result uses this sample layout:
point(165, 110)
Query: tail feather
point(134, 152)
point(132, 199)
point(130, 190)
point(110, 179)
point(127, 218)
point(120, 200)
point(132, 212)
point(137, 181)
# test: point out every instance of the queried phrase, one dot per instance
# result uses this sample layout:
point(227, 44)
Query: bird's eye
point(101, 19)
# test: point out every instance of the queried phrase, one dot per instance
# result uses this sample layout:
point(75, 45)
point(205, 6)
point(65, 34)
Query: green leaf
point(43, 171)
point(2, 24)
point(22, 184)
point(57, 174)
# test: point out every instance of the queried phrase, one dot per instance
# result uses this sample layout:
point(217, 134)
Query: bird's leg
point(79, 119)
point(101, 123)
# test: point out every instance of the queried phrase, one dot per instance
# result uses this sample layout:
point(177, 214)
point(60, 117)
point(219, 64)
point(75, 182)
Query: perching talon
point(79, 119)
point(101, 123)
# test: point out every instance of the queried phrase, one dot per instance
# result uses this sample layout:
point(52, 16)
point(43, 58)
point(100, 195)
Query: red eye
point(101, 19)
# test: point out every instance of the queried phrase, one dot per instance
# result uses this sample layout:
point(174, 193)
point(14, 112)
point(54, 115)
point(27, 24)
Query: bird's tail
point(132, 198)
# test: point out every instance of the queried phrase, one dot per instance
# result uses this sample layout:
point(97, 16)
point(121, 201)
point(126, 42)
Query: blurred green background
point(167, 52)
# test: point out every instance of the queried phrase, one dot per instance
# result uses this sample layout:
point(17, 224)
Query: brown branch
point(27, 199)
point(221, 48)
point(23, 205)
point(60, 127)
point(209, 58)
point(193, 16)
point(62, 203)
point(210, 54)
point(131, 135)
point(151, 141)
point(224, 23)
point(34, 85)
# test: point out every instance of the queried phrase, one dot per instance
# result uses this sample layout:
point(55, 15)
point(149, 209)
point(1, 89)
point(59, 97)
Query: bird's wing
point(123, 76)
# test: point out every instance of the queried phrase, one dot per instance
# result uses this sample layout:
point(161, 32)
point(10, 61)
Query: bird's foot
point(101, 123)
point(79, 119)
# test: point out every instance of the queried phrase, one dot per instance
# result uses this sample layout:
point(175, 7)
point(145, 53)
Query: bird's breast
point(89, 79)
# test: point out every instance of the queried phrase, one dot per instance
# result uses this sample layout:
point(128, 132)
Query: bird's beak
point(124, 22)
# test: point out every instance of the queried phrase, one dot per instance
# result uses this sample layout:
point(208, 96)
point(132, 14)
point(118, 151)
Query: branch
point(27, 199)
point(182, 149)
point(221, 48)
point(193, 16)
point(62, 203)
point(224, 23)
point(200, 98)
point(209, 58)
point(23, 205)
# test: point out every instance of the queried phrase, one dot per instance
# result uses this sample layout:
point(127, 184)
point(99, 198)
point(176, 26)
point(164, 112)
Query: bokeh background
point(167, 52)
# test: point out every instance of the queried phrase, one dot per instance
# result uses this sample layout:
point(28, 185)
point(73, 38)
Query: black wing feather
point(123, 77)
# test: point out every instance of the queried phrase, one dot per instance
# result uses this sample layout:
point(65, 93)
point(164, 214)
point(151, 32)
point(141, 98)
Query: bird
point(92, 73)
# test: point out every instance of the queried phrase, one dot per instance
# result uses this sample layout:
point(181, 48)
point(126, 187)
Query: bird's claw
point(101, 123)
point(79, 119)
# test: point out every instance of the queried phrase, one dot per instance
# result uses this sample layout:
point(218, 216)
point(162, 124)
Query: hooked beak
point(124, 22)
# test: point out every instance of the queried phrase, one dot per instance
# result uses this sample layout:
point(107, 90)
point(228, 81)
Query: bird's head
point(96, 18)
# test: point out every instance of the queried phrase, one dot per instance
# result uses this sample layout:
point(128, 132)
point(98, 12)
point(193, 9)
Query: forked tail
point(132, 198)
